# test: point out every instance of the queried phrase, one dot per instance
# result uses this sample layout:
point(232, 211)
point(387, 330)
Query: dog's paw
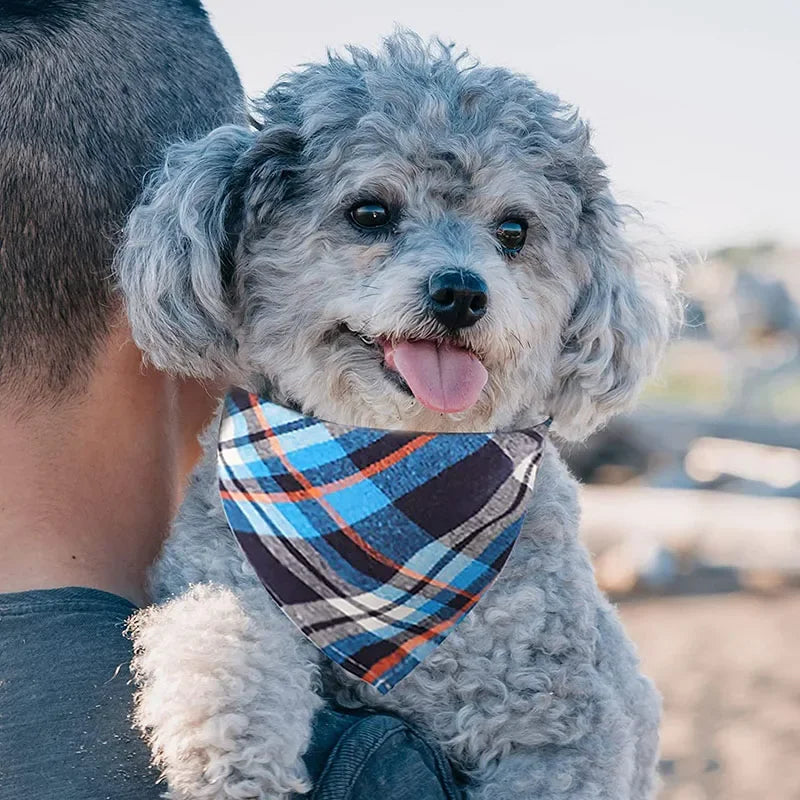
point(225, 699)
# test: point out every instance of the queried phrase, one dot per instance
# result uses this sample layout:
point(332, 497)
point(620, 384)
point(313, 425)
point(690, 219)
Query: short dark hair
point(92, 92)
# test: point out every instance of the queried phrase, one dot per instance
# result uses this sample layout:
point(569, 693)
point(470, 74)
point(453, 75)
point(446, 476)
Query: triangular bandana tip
point(374, 543)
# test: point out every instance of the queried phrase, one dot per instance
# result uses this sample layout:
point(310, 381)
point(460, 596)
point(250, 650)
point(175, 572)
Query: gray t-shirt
point(65, 700)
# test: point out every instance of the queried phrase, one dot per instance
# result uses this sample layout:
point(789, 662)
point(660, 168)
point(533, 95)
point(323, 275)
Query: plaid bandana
point(374, 543)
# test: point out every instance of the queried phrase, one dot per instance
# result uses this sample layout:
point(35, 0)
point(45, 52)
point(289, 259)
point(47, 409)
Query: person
point(95, 446)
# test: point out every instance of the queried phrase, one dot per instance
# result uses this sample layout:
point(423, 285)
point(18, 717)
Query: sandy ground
point(728, 666)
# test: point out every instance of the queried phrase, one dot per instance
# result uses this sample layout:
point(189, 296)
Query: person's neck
point(88, 487)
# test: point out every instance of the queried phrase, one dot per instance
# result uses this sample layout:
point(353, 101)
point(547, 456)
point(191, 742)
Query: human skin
point(90, 482)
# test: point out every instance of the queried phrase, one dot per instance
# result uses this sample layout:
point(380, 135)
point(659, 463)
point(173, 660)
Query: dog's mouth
point(443, 376)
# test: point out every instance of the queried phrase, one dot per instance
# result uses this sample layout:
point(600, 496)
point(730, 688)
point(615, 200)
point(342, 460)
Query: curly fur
point(537, 692)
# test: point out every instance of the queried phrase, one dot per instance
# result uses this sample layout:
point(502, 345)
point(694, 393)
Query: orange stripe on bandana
point(337, 518)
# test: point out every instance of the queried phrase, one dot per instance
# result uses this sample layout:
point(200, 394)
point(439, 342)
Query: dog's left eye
point(511, 234)
point(369, 215)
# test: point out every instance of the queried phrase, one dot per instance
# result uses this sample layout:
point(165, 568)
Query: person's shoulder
point(65, 699)
point(70, 600)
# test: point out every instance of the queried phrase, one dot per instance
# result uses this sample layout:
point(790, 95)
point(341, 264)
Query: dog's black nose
point(457, 298)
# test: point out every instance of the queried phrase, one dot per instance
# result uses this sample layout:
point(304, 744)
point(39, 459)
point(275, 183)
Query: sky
point(694, 105)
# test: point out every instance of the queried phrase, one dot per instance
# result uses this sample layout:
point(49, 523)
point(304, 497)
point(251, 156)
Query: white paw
point(226, 696)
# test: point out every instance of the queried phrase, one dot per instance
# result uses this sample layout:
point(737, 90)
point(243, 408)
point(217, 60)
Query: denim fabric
point(359, 756)
point(65, 700)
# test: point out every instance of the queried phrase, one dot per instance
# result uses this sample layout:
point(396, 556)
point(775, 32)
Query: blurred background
point(692, 503)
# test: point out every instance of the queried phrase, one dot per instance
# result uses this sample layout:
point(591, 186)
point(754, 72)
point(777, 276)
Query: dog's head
point(409, 241)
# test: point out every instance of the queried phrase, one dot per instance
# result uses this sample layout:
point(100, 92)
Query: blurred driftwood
point(675, 429)
point(650, 448)
point(653, 538)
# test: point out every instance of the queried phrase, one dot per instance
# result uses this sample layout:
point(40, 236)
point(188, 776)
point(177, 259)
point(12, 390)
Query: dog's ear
point(177, 245)
point(176, 263)
point(624, 316)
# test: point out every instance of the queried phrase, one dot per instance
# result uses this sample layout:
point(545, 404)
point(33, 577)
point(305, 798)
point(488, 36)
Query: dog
point(387, 206)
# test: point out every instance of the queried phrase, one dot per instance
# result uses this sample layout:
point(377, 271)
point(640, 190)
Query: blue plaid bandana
point(374, 543)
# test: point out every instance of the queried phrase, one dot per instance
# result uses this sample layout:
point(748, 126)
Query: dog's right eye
point(369, 215)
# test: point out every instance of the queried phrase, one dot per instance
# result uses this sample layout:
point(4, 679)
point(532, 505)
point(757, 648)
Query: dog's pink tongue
point(442, 377)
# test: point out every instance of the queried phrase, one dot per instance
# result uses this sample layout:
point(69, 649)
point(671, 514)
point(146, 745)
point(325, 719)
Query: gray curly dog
point(292, 260)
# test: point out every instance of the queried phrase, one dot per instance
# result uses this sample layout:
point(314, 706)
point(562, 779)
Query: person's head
point(93, 91)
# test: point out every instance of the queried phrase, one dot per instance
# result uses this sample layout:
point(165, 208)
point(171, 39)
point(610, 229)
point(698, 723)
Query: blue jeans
point(359, 756)
point(65, 700)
